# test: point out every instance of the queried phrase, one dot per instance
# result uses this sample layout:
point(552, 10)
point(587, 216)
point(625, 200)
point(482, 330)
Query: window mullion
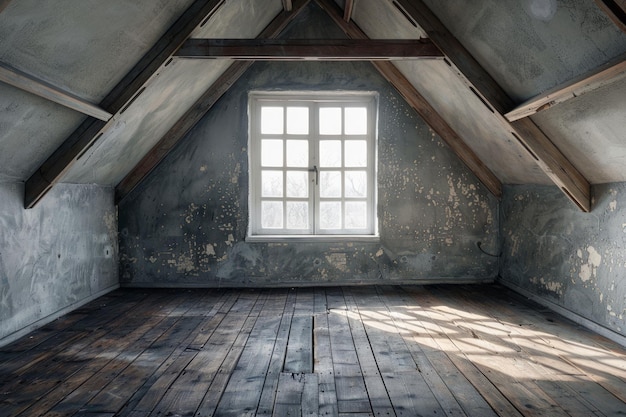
point(314, 162)
point(284, 168)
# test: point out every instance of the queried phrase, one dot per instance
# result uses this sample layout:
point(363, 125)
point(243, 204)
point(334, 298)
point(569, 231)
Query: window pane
point(330, 184)
point(298, 184)
point(297, 120)
point(297, 153)
point(272, 153)
point(356, 120)
point(356, 153)
point(356, 215)
point(272, 120)
point(356, 184)
point(330, 153)
point(271, 184)
point(297, 215)
point(330, 121)
point(272, 215)
point(330, 215)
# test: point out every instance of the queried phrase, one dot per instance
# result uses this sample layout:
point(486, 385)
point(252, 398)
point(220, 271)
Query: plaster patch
point(613, 205)
point(230, 240)
point(585, 272)
point(379, 253)
point(235, 178)
point(552, 286)
point(338, 260)
point(589, 269)
point(190, 215)
point(210, 249)
point(184, 263)
point(110, 220)
point(595, 259)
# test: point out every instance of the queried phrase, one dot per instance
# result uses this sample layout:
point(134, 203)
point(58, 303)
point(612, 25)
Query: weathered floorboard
point(360, 351)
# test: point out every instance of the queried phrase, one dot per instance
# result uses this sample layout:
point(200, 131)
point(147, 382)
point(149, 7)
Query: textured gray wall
point(573, 259)
point(186, 225)
point(55, 256)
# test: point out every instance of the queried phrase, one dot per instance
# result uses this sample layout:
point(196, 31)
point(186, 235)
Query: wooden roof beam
point(551, 160)
point(200, 108)
point(348, 8)
point(421, 106)
point(117, 101)
point(602, 76)
point(616, 10)
point(309, 49)
point(33, 85)
point(4, 4)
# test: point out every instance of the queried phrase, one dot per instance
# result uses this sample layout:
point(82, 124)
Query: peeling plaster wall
point(56, 256)
point(186, 225)
point(572, 259)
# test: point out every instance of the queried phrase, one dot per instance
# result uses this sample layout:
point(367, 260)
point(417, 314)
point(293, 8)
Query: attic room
point(312, 207)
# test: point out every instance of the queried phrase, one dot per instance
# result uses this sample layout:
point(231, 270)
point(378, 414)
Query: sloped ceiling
point(527, 46)
point(84, 47)
point(531, 46)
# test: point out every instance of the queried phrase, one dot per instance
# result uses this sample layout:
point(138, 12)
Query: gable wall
point(186, 225)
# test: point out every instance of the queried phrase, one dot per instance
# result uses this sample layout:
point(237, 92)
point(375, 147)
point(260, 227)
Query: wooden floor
point(366, 351)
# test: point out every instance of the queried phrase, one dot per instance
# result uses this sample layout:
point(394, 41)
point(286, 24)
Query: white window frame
point(313, 101)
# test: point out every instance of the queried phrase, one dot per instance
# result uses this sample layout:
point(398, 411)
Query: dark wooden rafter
point(616, 10)
point(200, 108)
point(309, 49)
point(552, 161)
point(602, 76)
point(4, 4)
point(117, 101)
point(421, 105)
point(33, 85)
point(348, 8)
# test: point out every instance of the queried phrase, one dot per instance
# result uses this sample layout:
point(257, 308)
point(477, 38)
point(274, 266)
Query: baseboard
point(45, 320)
point(575, 317)
point(252, 284)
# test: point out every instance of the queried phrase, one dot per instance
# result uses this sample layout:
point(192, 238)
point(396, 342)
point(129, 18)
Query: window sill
point(311, 238)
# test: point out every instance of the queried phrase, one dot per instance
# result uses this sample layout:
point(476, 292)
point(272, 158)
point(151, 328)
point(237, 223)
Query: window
point(312, 164)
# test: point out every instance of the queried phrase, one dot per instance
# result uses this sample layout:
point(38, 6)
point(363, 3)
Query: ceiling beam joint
point(117, 100)
point(602, 76)
point(33, 85)
point(421, 106)
point(165, 145)
point(551, 160)
point(348, 9)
